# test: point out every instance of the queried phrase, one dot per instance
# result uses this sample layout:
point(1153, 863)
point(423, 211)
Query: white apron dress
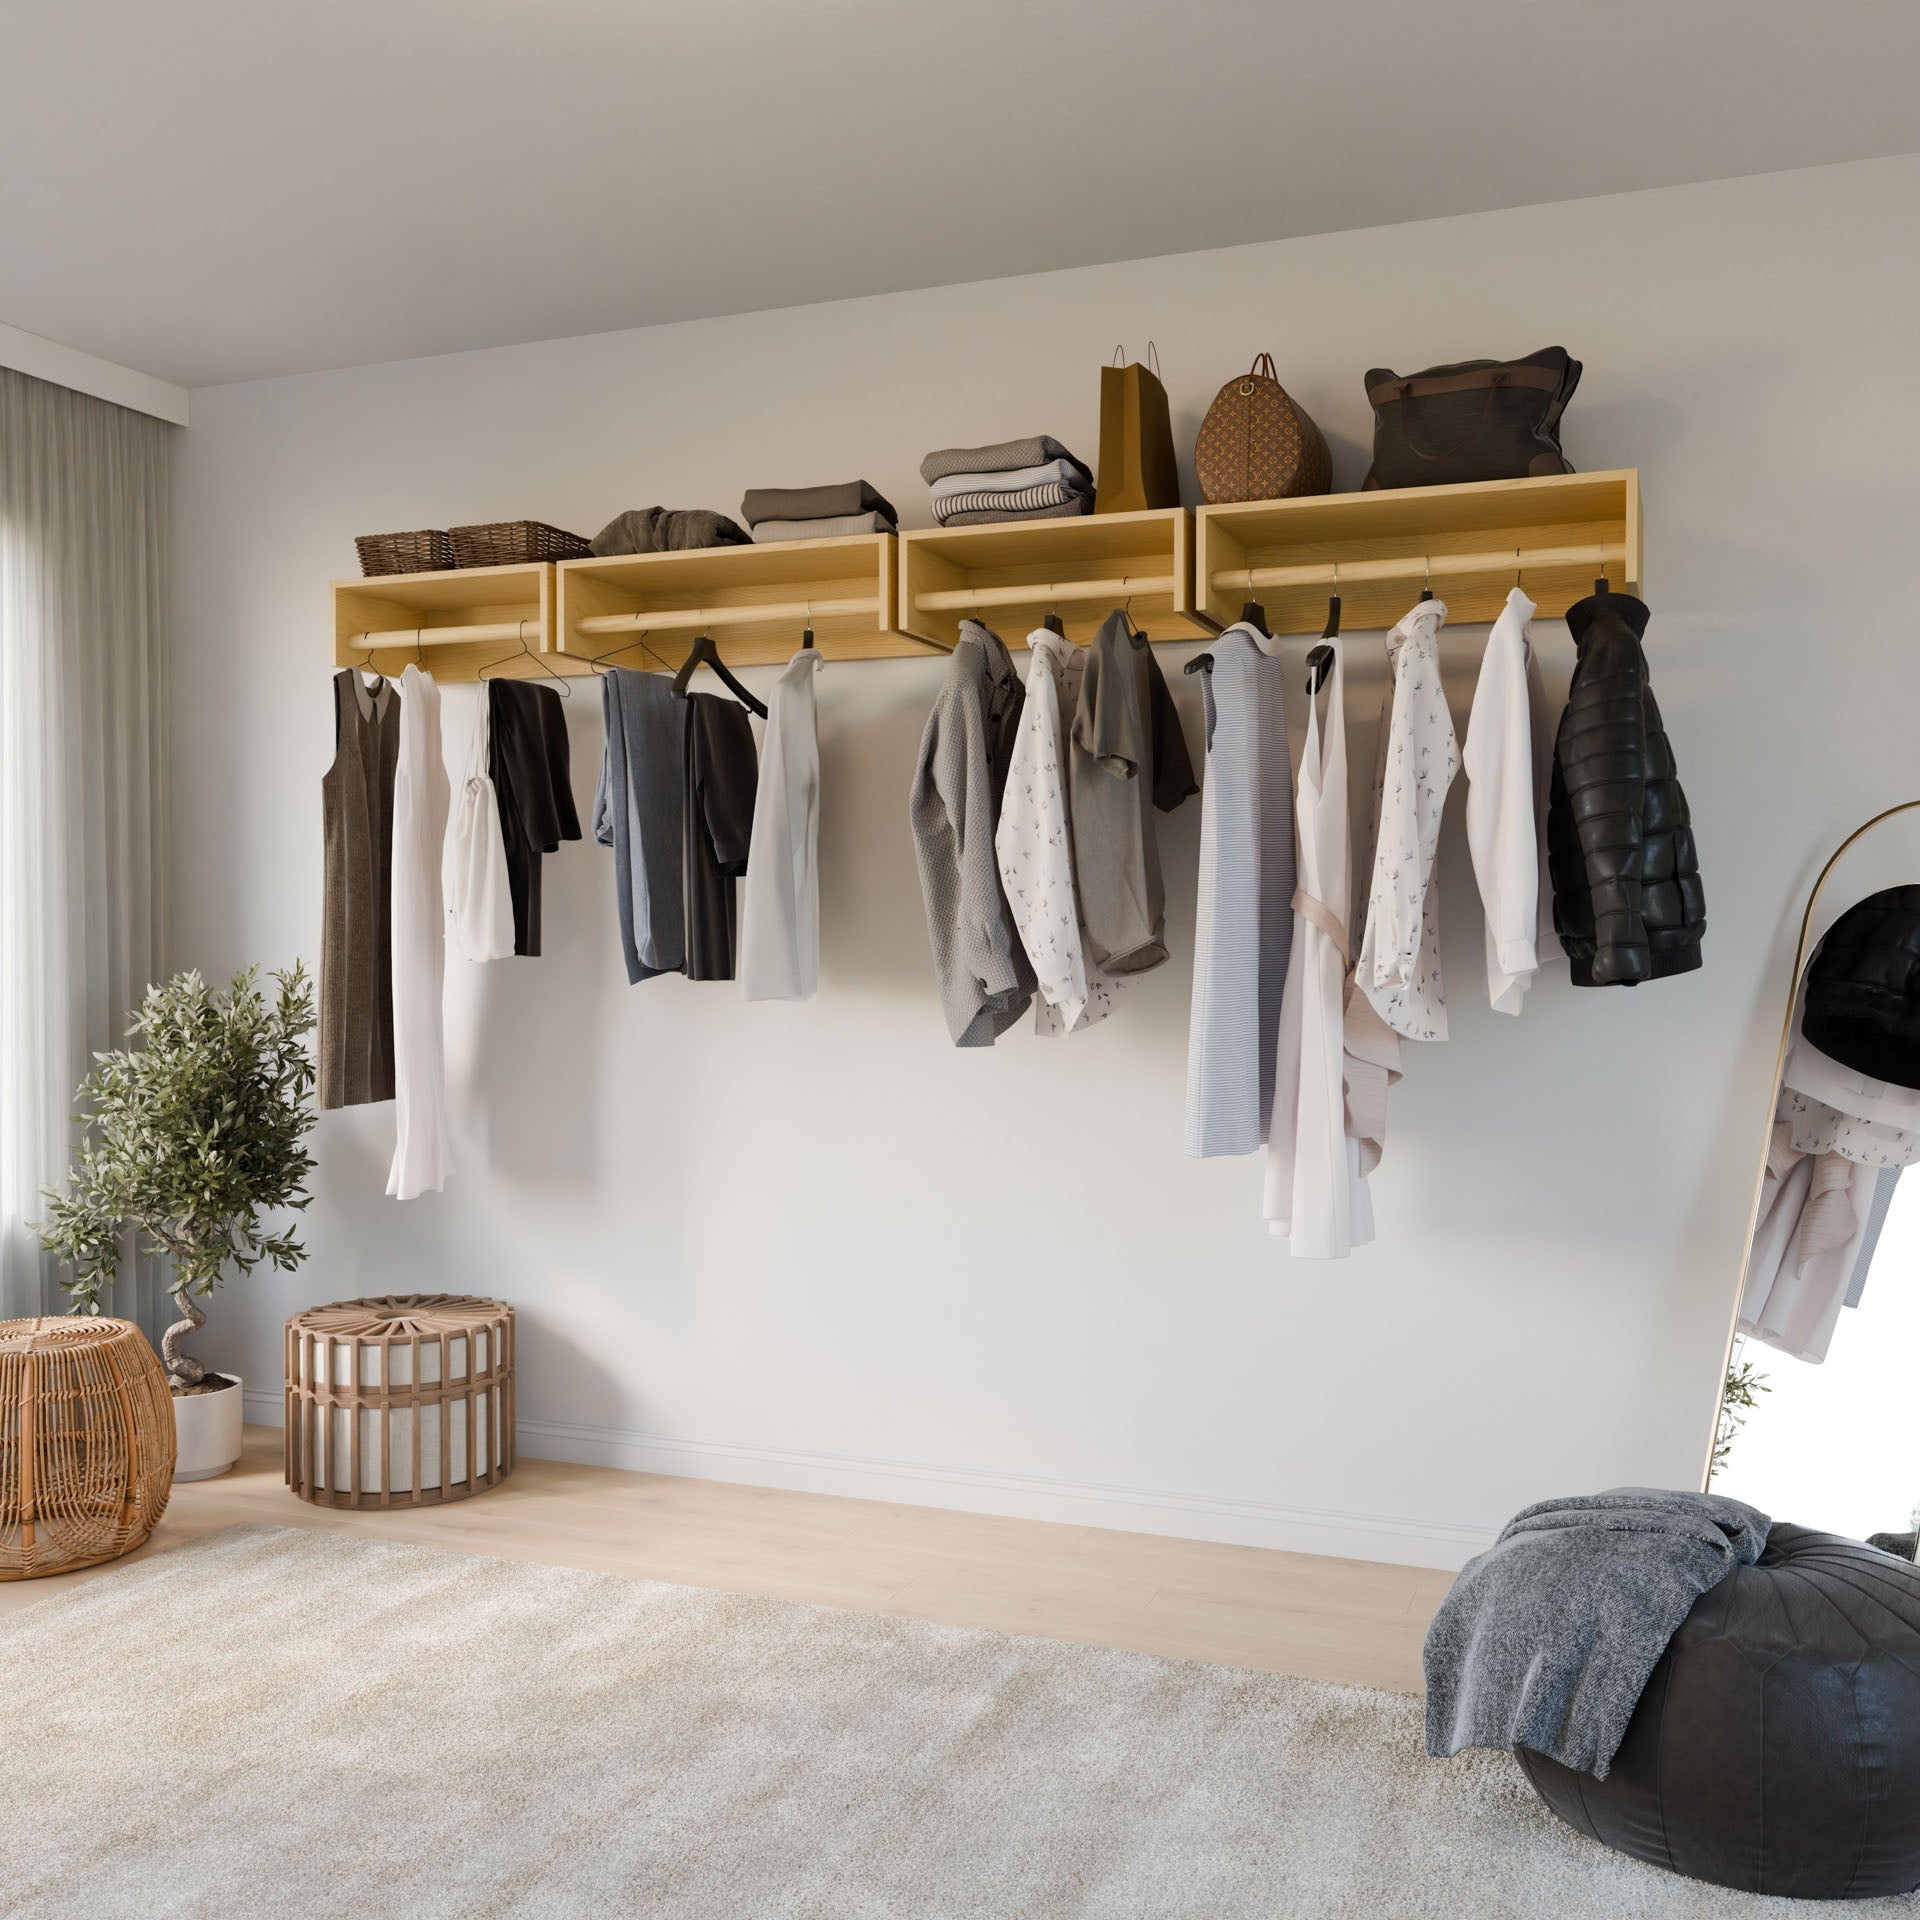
point(419, 944)
point(1316, 1194)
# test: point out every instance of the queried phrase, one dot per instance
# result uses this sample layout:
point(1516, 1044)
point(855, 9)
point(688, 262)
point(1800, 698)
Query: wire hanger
point(566, 692)
point(1600, 586)
point(1426, 592)
point(1320, 660)
point(1252, 613)
point(627, 646)
point(705, 653)
point(806, 633)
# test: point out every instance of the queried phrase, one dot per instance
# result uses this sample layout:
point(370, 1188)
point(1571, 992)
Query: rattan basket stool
point(86, 1443)
point(402, 1401)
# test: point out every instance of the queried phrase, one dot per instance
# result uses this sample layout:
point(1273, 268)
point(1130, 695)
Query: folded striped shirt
point(1004, 456)
point(1065, 473)
point(1069, 510)
point(1054, 493)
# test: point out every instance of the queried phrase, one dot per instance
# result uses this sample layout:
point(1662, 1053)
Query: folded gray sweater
point(668, 530)
point(1002, 457)
point(814, 503)
point(1548, 1639)
point(837, 528)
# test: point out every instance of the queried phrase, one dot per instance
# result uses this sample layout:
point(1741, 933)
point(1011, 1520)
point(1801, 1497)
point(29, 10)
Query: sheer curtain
point(83, 617)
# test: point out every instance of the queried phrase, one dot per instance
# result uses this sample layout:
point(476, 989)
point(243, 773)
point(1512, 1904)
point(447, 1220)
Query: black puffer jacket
point(1627, 902)
point(1863, 988)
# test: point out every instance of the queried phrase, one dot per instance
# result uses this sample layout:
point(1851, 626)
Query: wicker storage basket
point(427, 551)
point(512, 543)
point(401, 1401)
point(86, 1443)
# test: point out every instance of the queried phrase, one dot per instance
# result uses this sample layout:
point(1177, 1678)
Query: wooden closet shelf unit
point(453, 622)
point(1552, 536)
point(1012, 574)
point(646, 610)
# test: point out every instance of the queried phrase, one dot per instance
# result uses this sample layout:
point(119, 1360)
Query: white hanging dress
point(473, 873)
point(420, 799)
point(1316, 1194)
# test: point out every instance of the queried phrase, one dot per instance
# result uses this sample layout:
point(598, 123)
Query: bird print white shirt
point(1034, 846)
point(1398, 968)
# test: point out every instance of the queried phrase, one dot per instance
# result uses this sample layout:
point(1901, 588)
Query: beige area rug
point(275, 1722)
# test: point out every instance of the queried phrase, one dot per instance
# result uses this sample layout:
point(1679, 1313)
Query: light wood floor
point(1352, 1620)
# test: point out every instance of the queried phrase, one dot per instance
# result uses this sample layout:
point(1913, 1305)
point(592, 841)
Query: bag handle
point(1495, 382)
point(1153, 358)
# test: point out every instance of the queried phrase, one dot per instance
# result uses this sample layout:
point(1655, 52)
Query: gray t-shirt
point(1128, 757)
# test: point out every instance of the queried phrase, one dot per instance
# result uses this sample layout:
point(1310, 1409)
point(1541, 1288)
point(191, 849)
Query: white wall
point(816, 1246)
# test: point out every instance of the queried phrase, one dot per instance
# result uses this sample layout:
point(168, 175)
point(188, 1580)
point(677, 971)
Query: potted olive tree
point(189, 1139)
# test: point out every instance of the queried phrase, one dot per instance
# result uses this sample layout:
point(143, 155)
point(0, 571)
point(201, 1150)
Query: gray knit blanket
point(1547, 1640)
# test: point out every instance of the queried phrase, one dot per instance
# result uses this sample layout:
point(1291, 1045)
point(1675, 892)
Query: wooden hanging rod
point(670, 619)
point(1038, 592)
point(411, 637)
point(1349, 573)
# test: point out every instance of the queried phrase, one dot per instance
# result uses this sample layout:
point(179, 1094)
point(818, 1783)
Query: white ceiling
point(215, 190)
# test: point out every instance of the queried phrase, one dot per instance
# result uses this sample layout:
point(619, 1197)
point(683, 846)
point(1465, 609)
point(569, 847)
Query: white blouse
point(1033, 846)
point(1398, 967)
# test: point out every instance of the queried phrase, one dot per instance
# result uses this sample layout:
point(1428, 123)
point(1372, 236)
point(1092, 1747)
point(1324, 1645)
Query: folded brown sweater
point(668, 530)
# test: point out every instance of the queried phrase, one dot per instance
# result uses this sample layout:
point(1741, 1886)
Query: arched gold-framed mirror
point(1826, 1210)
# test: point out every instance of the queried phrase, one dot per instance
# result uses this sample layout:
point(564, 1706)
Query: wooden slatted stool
point(401, 1401)
point(86, 1443)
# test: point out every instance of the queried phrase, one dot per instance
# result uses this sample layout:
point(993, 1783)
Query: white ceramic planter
point(207, 1427)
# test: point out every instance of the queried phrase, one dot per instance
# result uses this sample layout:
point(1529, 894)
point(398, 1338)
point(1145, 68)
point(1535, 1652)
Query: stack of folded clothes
point(817, 513)
point(1031, 479)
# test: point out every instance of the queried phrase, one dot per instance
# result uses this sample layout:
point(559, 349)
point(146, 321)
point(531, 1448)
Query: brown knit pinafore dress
point(356, 951)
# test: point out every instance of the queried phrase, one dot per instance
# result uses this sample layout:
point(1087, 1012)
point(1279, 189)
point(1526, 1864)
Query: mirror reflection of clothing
point(1839, 1140)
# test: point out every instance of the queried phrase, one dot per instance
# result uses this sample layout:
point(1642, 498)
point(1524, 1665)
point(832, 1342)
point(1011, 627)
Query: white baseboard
point(1186, 1516)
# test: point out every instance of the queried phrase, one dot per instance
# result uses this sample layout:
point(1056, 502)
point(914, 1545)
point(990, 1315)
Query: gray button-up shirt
point(986, 982)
